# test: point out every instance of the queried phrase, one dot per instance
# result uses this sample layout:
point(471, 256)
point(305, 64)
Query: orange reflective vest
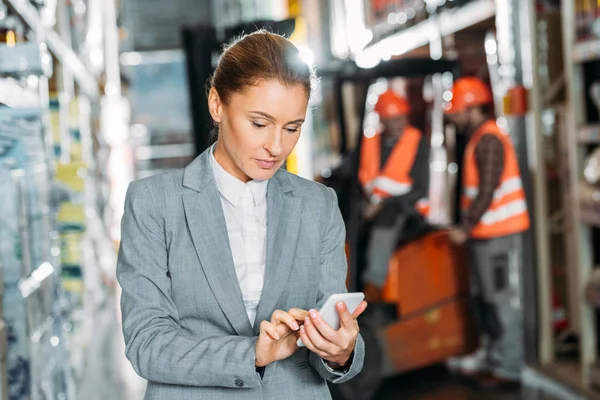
point(507, 213)
point(394, 179)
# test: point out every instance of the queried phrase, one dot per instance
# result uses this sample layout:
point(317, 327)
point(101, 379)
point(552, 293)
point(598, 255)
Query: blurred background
point(97, 93)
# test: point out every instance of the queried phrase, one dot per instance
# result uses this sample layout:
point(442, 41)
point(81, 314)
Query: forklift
point(424, 318)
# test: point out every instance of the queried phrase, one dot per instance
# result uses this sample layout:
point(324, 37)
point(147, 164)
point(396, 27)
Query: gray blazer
point(186, 329)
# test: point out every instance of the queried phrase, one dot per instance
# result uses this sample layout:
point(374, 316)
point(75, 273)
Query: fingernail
point(295, 325)
point(313, 313)
point(277, 335)
point(302, 329)
point(340, 305)
point(306, 321)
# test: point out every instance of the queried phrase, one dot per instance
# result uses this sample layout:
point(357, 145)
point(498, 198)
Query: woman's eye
point(292, 130)
point(257, 125)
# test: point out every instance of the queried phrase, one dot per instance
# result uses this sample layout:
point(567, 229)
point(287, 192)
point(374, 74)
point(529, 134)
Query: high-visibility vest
point(507, 214)
point(394, 178)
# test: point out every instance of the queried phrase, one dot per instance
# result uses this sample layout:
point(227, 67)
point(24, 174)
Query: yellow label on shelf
point(74, 113)
point(76, 152)
point(72, 175)
point(73, 285)
point(55, 126)
point(70, 248)
point(71, 213)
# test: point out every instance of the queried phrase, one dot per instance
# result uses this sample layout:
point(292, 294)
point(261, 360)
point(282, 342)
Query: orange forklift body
point(428, 282)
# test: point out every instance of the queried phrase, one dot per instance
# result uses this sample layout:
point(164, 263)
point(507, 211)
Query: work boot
point(473, 364)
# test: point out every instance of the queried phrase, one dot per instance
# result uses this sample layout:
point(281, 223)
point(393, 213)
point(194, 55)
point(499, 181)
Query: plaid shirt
point(489, 156)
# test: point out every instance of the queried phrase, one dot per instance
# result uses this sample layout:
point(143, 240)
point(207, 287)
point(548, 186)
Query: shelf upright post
point(514, 48)
point(580, 237)
point(66, 83)
point(529, 57)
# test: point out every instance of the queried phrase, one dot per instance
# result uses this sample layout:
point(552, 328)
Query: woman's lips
point(266, 164)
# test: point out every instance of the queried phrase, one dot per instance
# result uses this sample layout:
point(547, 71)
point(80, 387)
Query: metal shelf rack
point(431, 30)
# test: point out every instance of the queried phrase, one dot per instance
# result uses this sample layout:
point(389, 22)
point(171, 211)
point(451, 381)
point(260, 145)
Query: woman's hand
point(277, 339)
point(336, 347)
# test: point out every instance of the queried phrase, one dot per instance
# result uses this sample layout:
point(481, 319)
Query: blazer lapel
point(283, 224)
point(206, 222)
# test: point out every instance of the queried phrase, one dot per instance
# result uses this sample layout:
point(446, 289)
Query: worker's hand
point(372, 293)
point(335, 347)
point(371, 210)
point(277, 338)
point(458, 236)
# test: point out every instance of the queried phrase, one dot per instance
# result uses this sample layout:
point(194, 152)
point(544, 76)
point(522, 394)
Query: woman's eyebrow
point(264, 114)
point(272, 119)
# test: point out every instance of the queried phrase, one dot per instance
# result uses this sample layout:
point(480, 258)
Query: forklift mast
point(347, 72)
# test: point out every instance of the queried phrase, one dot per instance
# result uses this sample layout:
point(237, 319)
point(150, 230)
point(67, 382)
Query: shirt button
point(239, 383)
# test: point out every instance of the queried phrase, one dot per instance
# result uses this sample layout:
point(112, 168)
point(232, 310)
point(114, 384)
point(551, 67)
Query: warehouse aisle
point(108, 374)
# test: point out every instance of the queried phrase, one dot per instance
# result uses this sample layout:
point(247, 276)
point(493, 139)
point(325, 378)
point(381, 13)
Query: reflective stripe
point(504, 212)
point(424, 202)
point(390, 186)
point(508, 186)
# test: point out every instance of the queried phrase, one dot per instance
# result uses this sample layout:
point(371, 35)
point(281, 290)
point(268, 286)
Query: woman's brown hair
point(260, 56)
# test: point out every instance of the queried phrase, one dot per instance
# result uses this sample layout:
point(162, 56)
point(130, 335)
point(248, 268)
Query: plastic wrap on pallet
point(29, 278)
point(23, 58)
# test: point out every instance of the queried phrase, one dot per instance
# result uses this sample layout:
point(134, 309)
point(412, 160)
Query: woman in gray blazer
point(223, 264)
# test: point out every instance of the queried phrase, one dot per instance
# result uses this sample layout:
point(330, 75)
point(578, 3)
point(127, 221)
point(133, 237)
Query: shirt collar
point(232, 188)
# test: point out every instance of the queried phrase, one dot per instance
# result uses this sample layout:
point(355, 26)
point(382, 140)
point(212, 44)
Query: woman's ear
point(215, 107)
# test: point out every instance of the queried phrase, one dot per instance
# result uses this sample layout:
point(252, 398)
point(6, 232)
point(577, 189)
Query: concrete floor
point(437, 384)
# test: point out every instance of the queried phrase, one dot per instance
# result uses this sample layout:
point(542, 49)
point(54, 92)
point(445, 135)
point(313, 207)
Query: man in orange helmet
point(393, 172)
point(494, 216)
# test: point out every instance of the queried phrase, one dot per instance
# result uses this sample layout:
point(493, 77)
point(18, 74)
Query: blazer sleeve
point(334, 268)
point(158, 348)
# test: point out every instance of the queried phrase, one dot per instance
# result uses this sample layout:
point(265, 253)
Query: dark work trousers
point(496, 287)
point(381, 247)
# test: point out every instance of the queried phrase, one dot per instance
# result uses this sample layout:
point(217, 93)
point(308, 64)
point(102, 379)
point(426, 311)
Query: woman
point(211, 256)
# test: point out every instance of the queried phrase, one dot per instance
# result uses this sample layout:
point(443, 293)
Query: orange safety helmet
point(469, 92)
point(390, 105)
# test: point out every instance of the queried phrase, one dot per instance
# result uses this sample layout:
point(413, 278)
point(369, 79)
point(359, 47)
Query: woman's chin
point(262, 174)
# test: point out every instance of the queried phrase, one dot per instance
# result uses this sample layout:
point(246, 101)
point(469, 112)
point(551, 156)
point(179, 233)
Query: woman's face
point(258, 128)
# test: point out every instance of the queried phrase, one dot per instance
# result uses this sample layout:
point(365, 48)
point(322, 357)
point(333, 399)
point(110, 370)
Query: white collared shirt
point(245, 209)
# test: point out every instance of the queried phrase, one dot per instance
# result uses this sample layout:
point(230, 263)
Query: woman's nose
point(273, 145)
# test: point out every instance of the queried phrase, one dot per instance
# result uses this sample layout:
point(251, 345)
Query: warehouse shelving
point(62, 51)
point(74, 112)
point(578, 135)
point(430, 30)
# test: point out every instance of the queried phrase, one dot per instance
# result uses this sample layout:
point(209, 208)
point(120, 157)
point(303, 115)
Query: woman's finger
point(298, 314)
point(317, 339)
point(285, 318)
point(359, 310)
point(323, 327)
point(346, 320)
point(269, 329)
point(309, 344)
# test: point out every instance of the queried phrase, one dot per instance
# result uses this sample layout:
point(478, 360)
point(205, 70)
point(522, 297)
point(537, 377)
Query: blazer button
point(239, 383)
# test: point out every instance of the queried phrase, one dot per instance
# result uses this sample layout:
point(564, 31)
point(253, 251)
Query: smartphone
point(330, 314)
